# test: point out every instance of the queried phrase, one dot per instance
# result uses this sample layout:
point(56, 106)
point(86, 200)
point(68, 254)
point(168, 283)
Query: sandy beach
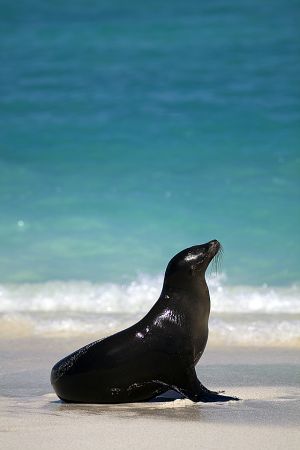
point(266, 380)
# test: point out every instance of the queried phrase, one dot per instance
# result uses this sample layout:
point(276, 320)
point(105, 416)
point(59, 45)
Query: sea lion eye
point(191, 257)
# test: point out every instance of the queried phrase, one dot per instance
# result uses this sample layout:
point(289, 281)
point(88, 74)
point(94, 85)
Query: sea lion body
point(157, 353)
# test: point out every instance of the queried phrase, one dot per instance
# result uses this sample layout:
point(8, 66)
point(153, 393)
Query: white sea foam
point(139, 295)
point(81, 296)
point(240, 314)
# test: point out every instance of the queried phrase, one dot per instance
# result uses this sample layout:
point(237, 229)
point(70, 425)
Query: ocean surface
point(131, 130)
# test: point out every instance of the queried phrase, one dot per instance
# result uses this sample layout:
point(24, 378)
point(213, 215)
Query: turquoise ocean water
point(132, 130)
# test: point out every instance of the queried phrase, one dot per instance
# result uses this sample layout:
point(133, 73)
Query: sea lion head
point(191, 263)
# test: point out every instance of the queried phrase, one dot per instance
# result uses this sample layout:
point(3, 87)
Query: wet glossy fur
point(157, 353)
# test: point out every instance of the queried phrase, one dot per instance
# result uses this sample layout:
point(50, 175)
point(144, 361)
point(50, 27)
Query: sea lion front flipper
point(194, 390)
point(211, 396)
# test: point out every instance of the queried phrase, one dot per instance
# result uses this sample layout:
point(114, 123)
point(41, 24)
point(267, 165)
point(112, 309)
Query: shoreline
point(266, 380)
point(46, 423)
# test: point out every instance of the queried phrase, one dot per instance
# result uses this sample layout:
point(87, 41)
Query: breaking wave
point(242, 315)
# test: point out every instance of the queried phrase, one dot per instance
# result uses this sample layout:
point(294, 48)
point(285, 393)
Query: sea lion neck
point(193, 288)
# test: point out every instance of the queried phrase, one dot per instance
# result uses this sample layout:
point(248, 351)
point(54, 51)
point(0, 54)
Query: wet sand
point(266, 380)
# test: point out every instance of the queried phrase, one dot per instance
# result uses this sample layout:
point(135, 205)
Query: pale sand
point(267, 418)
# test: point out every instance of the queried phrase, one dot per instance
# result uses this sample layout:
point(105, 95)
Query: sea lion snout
point(214, 245)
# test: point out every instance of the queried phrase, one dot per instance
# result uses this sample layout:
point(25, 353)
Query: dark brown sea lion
point(156, 354)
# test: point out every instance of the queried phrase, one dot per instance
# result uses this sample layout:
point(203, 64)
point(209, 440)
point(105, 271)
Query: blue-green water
point(131, 130)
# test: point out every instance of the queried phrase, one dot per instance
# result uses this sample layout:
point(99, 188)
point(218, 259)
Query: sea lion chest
point(179, 325)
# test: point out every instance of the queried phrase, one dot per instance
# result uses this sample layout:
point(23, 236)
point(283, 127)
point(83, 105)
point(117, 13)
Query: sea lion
point(156, 354)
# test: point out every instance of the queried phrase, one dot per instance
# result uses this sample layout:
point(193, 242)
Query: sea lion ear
point(192, 269)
